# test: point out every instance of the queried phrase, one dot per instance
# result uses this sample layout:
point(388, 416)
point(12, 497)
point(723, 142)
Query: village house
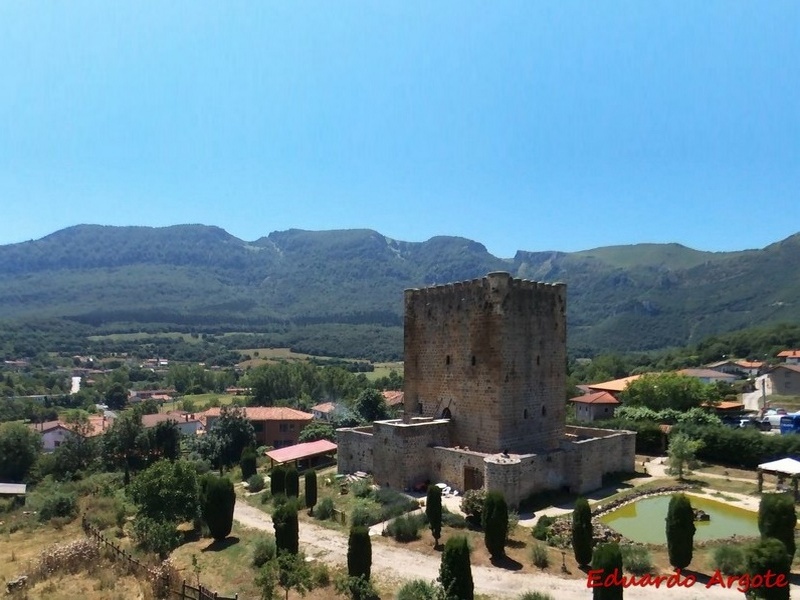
point(187, 424)
point(323, 412)
point(276, 426)
point(595, 406)
point(785, 379)
point(790, 357)
point(708, 375)
point(394, 399)
point(55, 433)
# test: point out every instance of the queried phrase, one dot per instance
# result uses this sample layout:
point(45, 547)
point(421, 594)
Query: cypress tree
point(287, 531)
point(359, 552)
point(218, 499)
point(292, 483)
point(455, 573)
point(768, 554)
point(248, 463)
point(680, 531)
point(607, 558)
point(777, 519)
point(495, 524)
point(433, 510)
point(277, 480)
point(311, 490)
point(582, 532)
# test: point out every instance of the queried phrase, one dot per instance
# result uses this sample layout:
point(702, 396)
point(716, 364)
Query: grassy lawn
point(203, 401)
point(383, 370)
point(139, 337)
point(790, 403)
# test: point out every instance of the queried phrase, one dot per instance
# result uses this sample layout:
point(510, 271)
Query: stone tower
point(490, 354)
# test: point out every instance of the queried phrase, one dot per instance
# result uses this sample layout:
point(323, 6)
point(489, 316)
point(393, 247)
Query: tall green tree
point(167, 491)
point(117, 396)
point(277, 480)
point(311, 490)
point(217, 503)
point(768, 555)
point(359, 552)
point(682, 451)
point(287, 531)
point(19, 447)
point(680, 531)
point(292, 483)
point(495, 523)
point(371, 405)
point(777, 519)
point(455, 572)
point(247, 462)
point(164, 441)
point(433, 510)
point(126, 444)
point(607, 558)
point(582, 532)
point(235, 432)
point(665, 390)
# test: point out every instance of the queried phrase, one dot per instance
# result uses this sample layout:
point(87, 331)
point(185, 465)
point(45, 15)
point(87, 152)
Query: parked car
point(773, 415)
point(753, 423)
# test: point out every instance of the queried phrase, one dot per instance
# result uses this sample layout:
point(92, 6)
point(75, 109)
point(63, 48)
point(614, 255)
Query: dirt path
point(398, 564)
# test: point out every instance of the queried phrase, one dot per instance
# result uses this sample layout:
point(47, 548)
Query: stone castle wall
point(491, 352)
point(354, 450)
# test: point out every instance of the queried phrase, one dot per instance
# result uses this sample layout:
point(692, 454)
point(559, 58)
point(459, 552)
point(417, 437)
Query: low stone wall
point(639, 495)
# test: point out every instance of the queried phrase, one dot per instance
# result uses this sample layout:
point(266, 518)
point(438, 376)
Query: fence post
point(183, 590)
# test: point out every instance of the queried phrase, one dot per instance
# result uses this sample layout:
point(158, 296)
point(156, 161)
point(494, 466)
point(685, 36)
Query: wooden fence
point(163, 582)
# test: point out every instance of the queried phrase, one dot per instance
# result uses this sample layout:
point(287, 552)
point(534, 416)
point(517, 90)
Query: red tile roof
point(97, 426)
point(267, 413)
point(393, 398)
point(325, 407)
point(595, 398)
point(617, 385)
point(750, 364)
point(706, 374)
point(789, 354)
point(299, 451)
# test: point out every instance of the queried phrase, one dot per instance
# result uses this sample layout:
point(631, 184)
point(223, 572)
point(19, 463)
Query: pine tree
point(287, 531)
point(777, 519)
point(495, 524)
point(680, 531)
point(607, 558)
point(248, 463)
point(582, 532)
point(292, 483)
point(433, 510)
point(455, 572)
point(218, 500)
point(311, 490)
point(359, 553)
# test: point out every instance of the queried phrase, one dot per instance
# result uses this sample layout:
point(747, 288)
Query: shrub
point(454, 520)
point(472, 504)
point(777, 519)
point(540, 557)
point(255, 483)
point(365, 513)
point(541, 530)
point(495, 523)
point(513, 522)
point(361, 488)
point(729, 559)
point(393, 504)
point(582, 532)
point(102, 512)
point(58, 504)
point(535, 596)
point(607, 558)
point(247, 462)
point(680, 531)
point(455, 572)
point(218, 501)
point(264, 550)
point(359, 553)
point(405, 528)
point(325, 509)
point(151, 535)
point(418, 589)
point(320, 574)
point(636, 559)
point(768, 554)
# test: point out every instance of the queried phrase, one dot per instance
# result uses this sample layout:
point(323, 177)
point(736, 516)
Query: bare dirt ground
point(400, 564)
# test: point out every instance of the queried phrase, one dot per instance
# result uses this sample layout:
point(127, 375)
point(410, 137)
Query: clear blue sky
point(522, 125)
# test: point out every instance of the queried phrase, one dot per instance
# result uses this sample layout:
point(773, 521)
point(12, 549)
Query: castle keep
point(485, 398)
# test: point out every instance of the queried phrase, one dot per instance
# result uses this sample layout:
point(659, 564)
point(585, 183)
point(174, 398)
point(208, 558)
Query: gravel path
point(398, 564)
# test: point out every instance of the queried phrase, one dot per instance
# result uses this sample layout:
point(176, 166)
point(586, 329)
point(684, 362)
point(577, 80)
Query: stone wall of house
point(490, 353)
point(355, 450)
point(448, 465)
point(402, 451)
point(597, 452)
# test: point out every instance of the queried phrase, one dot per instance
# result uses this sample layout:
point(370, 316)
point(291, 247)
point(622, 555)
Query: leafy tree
point(125, 444)
point(356, 588)
point(311, 489)
point(287, 533)
point(768, 554)
point(359, 552)
point(235, 432)
point(19, 447)
point(277, 480)
point(455, 573)
point(164, 440)
point(117, 397)
point(495, 523)
point(582, 532)
point(680, 531)
point(607, 558)
point(665, 390)
point(217, 504)
point(292, 483)
point(433, 510)
point(167, 491)
point(371, 405)
point(247, 462)
point(293, 573)
point(155, 535)
point(682, 451)
point(777, 519)
point(315, 431)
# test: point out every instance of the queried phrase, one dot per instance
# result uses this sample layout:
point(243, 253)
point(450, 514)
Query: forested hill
point(643, 296)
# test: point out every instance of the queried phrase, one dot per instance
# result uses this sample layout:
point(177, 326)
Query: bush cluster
point(636, 559)
point(255, 483)
point(264, 550)
point(405, 528)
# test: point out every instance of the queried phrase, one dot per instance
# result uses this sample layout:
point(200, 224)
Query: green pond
point(645, 520)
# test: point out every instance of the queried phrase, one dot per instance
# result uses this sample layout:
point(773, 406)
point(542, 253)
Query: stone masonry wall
point(402, 452)
point(491, 352)
point(354, 450)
